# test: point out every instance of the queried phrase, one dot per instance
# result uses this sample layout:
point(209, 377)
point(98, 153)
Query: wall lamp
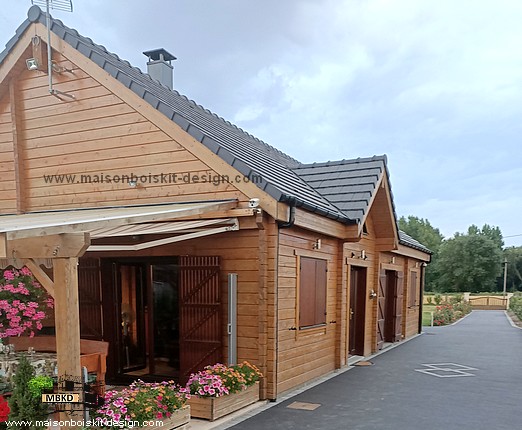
point(32, 64)
point(317, 244)
point(362, 255)
point(373, 294)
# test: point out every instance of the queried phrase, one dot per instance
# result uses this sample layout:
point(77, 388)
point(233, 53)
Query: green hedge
point(515, 304)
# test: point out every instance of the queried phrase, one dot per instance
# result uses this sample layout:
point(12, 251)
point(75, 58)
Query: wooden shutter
point(320, 291)
point(381, 309)
point(90, 299)
point(399, 294)
point(413, 289)
point(312, 291)
point(200, 314)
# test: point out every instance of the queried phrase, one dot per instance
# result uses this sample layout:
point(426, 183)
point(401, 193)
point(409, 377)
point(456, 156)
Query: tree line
point(471, 261)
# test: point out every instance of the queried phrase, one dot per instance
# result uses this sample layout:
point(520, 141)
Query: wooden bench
point(93, 353)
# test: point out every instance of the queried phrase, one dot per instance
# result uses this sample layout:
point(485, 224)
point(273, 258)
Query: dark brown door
point(399, 298)
point(357, 310)
point(200, 333)
point(390, 306)
point(381, 309)
point(90, 299)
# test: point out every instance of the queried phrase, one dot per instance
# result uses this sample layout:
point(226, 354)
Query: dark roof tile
point(324, 188)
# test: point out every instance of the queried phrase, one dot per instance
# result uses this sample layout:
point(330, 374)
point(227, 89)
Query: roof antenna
point(65, 5)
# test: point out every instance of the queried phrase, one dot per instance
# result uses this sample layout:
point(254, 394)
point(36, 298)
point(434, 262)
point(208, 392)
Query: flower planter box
point(212, 408)
point(178, 420)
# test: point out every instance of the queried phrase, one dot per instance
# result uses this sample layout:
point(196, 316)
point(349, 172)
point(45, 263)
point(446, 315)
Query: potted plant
point(23, 303)
point(219, 390)
point(144, 402)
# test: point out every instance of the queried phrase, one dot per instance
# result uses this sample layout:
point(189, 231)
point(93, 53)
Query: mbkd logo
point(61, 398)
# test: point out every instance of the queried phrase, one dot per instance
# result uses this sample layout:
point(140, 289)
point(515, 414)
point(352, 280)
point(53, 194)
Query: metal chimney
point(159, 66)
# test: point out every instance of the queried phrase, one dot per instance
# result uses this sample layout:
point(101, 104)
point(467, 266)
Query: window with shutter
point(312, 292)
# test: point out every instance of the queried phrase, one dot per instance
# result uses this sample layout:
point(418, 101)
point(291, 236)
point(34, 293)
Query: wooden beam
point(54, 246)
point(67, 321)
point(17, 147)
point(3, 245)
point(49, 225)
point(413, 253)
point(41, 276)
point(323, 225)
point(386, 244)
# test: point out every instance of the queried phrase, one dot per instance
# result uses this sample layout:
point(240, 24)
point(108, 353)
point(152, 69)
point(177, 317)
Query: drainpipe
point(291, 218)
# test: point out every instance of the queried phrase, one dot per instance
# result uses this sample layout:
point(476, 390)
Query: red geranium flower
point(4, 410)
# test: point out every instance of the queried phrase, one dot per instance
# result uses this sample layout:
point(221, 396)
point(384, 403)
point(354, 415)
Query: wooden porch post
point(67, 322)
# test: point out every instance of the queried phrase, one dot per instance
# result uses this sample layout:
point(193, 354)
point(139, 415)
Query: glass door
point(165, 320)
point(132, 317)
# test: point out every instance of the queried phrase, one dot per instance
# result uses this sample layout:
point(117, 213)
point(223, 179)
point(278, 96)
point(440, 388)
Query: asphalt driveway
point(473, 381)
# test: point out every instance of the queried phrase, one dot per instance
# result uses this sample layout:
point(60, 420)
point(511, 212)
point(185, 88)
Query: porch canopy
point(63, 236)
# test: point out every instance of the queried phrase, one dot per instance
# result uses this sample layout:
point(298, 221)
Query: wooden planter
point(178, 420)
point(212, 408)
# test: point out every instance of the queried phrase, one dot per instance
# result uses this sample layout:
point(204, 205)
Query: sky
point(436, 85)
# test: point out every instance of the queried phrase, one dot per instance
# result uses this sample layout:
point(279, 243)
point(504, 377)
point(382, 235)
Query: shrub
point(444, 314)
point(437, 299)
point(515, 304)
point(39, 384)
point(429, 300)
point(23, 405)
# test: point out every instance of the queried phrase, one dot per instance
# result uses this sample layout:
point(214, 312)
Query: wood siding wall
point(308, 353)
point(239, 254)
point(94, 134)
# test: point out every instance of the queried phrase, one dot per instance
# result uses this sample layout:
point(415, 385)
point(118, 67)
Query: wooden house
point(166, 207)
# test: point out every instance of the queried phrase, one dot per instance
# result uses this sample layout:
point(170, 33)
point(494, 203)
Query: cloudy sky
point(434, 84)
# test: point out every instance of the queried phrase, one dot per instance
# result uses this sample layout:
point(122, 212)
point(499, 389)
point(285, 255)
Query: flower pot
point(212, 408)
point(178, 420)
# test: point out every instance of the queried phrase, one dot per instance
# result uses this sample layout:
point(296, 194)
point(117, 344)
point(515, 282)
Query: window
point(312, 292)
point(413, 289)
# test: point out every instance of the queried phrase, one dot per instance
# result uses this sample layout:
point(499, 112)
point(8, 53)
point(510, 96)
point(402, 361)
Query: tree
point(470, 262)
point(421, 230)
point(513, 255)
point(24, 405)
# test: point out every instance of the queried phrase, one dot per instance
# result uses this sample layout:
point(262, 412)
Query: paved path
point(392, 395)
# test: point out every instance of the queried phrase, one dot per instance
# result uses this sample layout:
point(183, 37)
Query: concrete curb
point(292, 393)
point(511, 321)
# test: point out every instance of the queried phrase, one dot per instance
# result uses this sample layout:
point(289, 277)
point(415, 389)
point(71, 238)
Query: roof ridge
point(157, 82)
point(345, 161)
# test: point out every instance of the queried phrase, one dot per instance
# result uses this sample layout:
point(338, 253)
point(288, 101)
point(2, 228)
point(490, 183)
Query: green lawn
point(426, 316)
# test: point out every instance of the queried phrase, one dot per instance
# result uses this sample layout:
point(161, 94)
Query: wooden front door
point(200, 335)
point(357, 310)
point(381, 309)
point(393, 305)
point(399, 299)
